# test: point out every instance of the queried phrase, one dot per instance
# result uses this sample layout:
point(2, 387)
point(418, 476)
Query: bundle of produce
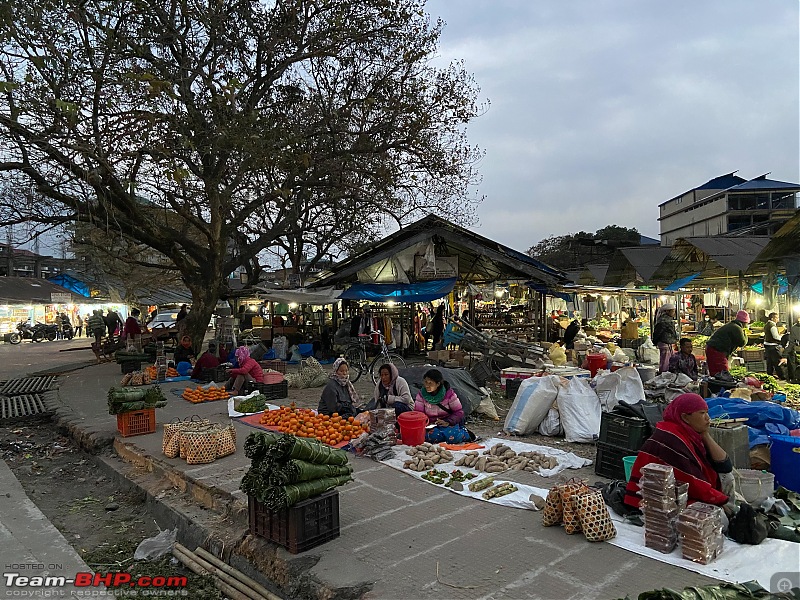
point(253, 404)
point(126, 399)
point(305, 423)
point(378, 445)
point(152, 371)
point(298, 471)
point(284, 496)
point(257, 445)
point(311, 450)
point(122, 356)
point(201, 394)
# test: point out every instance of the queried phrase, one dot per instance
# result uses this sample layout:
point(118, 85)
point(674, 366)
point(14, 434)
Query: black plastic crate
point(608, 462)
point(274, 365)
point(305, 525)
point(512, 387)
point(207, 375)
point(221, 374)
point(129, 366)
point(623, 431)
point(630, 343)
point(272, 391)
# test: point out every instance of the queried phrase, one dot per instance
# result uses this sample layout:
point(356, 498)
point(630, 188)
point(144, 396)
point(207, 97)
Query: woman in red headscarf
point(682, 441)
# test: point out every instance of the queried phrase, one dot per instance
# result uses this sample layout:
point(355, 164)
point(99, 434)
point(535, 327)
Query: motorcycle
point(67, 332)
point(24, 332)
point(42, 331)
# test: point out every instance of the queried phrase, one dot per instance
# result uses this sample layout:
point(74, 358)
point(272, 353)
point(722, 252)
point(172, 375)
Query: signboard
point(445, 267)
point(60, 298)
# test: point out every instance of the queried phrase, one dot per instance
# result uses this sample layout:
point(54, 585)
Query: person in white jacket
point(392, 391)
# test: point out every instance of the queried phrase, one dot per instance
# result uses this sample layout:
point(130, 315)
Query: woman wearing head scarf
point(665, 335)
point(184, 352)
point(248, 370)
point(439, 402)
point(339, 396)
point(392, 391)
point(682, 441)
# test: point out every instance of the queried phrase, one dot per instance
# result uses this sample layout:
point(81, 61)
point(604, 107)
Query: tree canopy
point(574, 250)
point(206, 132)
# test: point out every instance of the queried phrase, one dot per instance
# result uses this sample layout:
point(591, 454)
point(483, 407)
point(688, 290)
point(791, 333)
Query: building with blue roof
point(728, 205)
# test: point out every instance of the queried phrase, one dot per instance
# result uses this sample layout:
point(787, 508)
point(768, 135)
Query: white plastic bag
point(156, 546)
point(487, 407)
point(620, 356)
point(579, 408)
point(551, 425)
point(534, 398)
point(648, 352)
point(623, 384)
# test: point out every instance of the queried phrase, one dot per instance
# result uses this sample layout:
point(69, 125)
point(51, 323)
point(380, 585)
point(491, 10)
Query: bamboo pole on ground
point(235, 573)
point(187, 558)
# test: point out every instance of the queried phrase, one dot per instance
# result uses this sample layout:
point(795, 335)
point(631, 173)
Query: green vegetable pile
point(126, 399)
point(757, 324)
point(253, 405)
point(441, 477)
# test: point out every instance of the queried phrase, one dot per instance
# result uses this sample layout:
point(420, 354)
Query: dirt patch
point(103, 524)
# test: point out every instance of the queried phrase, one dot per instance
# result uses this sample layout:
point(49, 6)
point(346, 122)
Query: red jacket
point(250, 367)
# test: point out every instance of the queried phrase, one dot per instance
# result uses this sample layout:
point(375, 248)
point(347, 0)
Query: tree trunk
point(204, 301)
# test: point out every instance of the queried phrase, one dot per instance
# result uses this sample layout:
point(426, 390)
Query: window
point(784, 200)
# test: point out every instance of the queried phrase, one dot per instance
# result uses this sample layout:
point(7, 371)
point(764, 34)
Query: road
point(27, 357)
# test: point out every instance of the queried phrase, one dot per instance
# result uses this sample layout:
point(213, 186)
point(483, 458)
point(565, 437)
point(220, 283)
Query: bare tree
point(204, 131)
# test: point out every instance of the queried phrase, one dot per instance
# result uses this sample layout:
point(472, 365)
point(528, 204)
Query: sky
point(600, 110)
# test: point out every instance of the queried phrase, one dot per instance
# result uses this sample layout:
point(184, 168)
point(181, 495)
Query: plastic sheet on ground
point(737, 563)
point(518, 499)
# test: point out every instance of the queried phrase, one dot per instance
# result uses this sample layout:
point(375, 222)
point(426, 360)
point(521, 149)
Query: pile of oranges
point(153, 372)
point(303, 422)
point(200, 394)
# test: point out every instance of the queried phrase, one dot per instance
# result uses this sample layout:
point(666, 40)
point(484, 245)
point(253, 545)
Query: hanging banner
point(444, 267)
point(60, 298)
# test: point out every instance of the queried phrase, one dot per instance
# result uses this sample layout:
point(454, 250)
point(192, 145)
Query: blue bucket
point(784, 453)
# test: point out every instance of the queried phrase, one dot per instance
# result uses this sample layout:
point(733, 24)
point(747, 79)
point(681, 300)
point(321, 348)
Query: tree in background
point(206, 132)
point(575, 250)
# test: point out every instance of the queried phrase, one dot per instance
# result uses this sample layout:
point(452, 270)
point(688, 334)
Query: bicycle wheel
point(394, 358)
point(356, 358)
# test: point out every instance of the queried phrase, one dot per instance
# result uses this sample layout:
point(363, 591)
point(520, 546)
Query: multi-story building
point(728, 205)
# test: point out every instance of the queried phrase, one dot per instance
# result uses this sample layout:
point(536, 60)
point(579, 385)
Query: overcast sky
point(603, 109)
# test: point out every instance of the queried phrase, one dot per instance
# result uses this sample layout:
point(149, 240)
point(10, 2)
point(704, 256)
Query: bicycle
point(356, 356)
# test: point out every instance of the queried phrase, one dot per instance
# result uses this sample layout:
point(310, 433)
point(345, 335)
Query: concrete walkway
point(32, 547)
point(400, 537)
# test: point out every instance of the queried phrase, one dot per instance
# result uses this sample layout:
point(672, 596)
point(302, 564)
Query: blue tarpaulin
point(783, 285)
point(423, 291)
point(679, 283)
point(763, 418)
point(71, 284)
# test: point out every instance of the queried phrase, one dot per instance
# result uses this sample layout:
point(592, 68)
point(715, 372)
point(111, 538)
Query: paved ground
point(400, 538)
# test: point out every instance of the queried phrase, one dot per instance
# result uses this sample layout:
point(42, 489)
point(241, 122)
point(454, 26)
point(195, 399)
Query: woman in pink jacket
point(441, 405)
point(248, 370)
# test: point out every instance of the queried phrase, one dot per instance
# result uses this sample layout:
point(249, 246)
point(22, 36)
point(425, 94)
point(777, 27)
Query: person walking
point(772, 346)
point(665, 335)
point(113, 321)
point(78, 325)
point(792, 349)
point(437, 326)
point(724, 342)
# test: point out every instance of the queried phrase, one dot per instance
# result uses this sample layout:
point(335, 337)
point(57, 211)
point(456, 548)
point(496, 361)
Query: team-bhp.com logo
point(95, 580)
point(784, 582)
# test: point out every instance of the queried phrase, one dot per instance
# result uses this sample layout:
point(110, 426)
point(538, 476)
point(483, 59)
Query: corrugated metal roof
point(732, 253)
point(784, 244)
point(762, 183)
point(722, 182)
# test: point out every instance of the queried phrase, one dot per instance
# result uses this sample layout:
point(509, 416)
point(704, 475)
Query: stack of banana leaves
point(125, 399)
point(122, 356)
point(285, 469)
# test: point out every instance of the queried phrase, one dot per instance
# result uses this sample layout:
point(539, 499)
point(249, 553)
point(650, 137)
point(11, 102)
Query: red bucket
point(412, 427)
point(596, 362)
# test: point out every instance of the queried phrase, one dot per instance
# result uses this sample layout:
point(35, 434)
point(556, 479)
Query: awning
point(679, 283)
point(543, 289)
point(424, 291)
point(71, 284)
point(319, 296)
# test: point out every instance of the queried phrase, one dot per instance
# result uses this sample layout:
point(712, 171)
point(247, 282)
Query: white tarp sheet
point(736, 564)
point(318, 296)
point(518, 499)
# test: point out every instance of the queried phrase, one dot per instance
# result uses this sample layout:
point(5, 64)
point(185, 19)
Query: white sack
point(623, 384)
point(551, 425)
point(557, 355)
point(620, 355)
point(534, 398)
point(648, 352)
point(580, 411)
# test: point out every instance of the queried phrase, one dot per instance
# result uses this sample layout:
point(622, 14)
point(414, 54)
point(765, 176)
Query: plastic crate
point(305, 525)
point(512, 387)
point(137, 422)
point(630, 343)
point(221, 374)
point(752, 355)
point(272, 391)
point(608, 462)
point(129, 366)
point(274, 365)
point(756, 366)
point(623, 431)
point(207, 375)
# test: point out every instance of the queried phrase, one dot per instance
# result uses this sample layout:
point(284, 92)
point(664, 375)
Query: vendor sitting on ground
point(392, 391)
point(208, 360)
point(184, 352)
point(724, 342)
point(682, 441)
point(443, 408)
point(248, 370)
point(684, 361)
point(339, 396)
